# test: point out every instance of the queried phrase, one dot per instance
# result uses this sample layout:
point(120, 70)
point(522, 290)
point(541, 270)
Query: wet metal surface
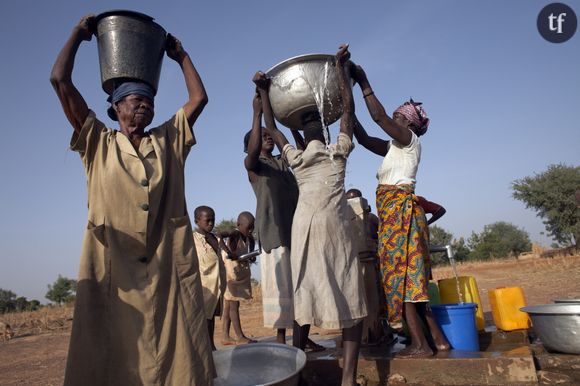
point(259, 364)
point(512, 365)
point(510, 360)
point(557, 326)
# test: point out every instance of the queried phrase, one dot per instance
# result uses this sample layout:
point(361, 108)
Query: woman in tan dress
point(139, 317)
point(328, 286)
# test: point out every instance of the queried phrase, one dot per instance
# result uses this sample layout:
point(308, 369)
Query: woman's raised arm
point(401, 134)
point(263, 83)
point(73, 104)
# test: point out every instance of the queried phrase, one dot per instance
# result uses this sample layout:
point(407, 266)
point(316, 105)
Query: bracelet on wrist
point(367, 94)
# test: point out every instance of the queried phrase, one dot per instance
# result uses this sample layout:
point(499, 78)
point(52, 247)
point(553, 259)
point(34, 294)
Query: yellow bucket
point(505, 303)
point(469, 294)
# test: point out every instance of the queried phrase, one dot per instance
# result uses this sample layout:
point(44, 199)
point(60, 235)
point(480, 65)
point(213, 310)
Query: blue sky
point(503, 105)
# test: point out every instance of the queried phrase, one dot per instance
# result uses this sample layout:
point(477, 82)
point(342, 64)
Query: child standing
point(211, 267)
point(328, 288)
point(366, 246)
point(239, 242)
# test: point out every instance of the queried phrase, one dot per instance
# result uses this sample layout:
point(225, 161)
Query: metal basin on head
point(259, 364)
point(557, 326)
point(296, 85)
point(131, 47)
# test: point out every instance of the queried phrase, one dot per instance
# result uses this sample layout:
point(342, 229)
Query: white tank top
point(401, 163)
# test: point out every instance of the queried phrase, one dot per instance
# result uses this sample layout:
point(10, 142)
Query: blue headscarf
point(129, 88)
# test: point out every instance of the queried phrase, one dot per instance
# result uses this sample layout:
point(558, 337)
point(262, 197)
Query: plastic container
point(469, 293)
point(433, 291)
point(131, 47)
point(505, 303)
point(457, 321)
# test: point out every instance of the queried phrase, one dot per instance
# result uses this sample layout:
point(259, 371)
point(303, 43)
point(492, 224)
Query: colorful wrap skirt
point(403, 249)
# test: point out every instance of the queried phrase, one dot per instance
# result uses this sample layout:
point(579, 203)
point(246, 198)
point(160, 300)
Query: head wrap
point(129, 88)
point(415, 114)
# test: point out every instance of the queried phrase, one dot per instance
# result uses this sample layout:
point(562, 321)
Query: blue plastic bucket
point(457, 321)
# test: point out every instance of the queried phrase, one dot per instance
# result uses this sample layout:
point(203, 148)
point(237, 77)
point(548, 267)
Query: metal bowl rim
point(553, 309)
point(567, 301)
point(123, 12)
point(301, 356)
point(128, 13)
point(299, 59)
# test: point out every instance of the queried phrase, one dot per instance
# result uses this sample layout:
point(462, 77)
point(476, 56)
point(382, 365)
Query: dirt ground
point(37, 354)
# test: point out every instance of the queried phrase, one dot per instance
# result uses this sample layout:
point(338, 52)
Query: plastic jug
point(433, 291)
point(505, 303)
point(469, 293)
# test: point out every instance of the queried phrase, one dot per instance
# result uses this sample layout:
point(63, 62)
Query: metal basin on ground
point(259, 364)
point(557, 326)
point(296, 85)
point(568, 301)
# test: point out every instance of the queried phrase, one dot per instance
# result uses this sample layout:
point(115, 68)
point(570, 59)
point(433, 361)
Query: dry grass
point(562, 262)
point(40, 359)
point(47, 319)
point(542, 279)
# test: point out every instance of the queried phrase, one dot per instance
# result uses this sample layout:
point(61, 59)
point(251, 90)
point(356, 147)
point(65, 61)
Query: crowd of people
point(150, 285)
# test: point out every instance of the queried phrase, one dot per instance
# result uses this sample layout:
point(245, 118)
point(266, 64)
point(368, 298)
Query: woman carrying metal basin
point(327, 282)
point(139, 316)
point(403, 232)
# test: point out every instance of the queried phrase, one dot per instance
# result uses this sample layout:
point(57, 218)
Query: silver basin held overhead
point(296, 85)
point(557, 326)
point(259, 364)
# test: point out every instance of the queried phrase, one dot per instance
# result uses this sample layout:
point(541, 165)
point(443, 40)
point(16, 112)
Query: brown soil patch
point(37, 354)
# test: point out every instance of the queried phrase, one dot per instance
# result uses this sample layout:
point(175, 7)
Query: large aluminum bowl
point(295, 85)
point(569, 301)
point(557, 326)
point(259, 364)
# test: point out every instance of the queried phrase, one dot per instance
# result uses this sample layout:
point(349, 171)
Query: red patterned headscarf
point(415, 114)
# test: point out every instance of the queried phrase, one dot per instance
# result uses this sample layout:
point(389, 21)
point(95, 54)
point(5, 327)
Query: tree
point(62, 290)
point(7, 301)
point(552, 194)
point(439, 236)
point(460, 250)
point(33, 305)
point(225, 225)
point(499, 240)
point(21, 303)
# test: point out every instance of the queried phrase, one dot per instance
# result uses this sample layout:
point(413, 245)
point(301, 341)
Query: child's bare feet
point(228, 341)
point(245, 339)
